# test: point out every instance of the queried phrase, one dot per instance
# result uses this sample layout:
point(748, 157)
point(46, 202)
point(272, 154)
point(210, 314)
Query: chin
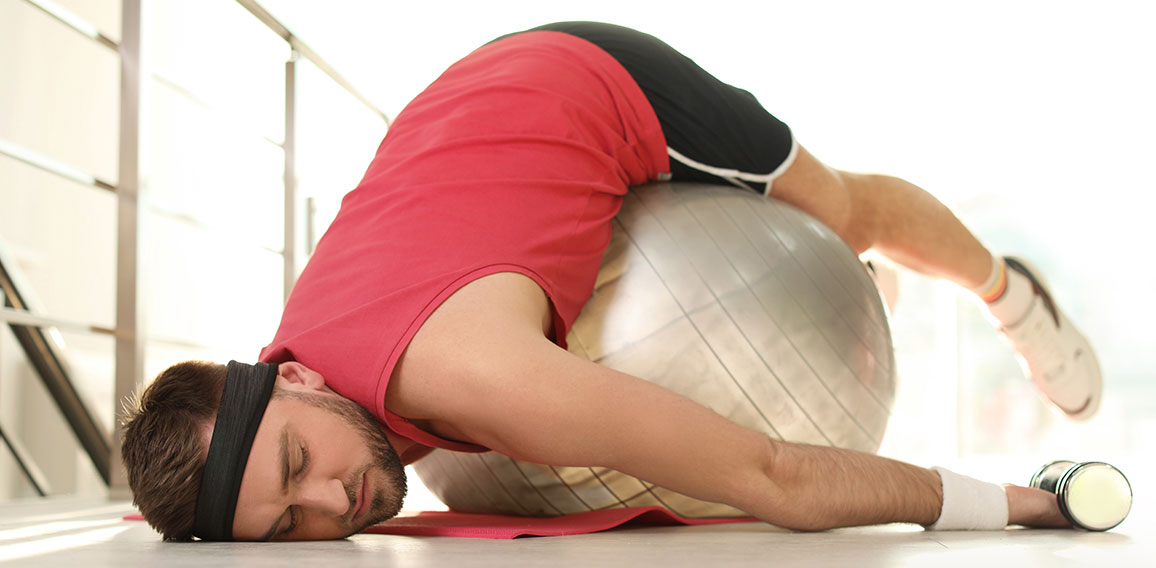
point(385, 503)
point(379, 513)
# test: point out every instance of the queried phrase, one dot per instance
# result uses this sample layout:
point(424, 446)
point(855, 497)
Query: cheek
point(344, 445)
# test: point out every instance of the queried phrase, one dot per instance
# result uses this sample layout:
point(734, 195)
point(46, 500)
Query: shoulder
point(482, 370)
point(473, 337)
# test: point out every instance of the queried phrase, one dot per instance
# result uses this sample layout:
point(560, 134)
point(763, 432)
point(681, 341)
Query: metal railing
point(47, 358)
point(31, 327)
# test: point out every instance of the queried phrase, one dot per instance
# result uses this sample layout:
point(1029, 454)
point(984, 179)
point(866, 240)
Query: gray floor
point(88, 532)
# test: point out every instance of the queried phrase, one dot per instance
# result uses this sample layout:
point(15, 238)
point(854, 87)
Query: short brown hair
point(164, 447)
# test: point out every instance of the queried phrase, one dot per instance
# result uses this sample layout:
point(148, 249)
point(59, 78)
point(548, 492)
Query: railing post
point(289, 145)
point(129, 332)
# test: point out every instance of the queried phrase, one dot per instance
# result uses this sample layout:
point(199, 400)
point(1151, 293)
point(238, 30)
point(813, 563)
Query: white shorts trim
point(738, 177)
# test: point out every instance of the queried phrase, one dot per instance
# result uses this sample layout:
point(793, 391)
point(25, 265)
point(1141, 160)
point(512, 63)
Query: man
point(440, 298)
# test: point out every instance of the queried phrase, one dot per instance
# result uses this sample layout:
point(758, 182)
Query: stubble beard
point(384, 504)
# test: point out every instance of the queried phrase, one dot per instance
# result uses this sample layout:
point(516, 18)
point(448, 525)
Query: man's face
point(320, 468)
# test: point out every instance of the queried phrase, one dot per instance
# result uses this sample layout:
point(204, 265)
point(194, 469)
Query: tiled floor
point(77, 533)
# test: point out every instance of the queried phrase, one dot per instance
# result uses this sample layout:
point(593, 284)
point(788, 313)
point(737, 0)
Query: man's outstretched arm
point(482, 375)
point(586, 414)
point(619, 421)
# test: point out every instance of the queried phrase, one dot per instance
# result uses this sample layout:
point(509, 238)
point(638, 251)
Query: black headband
point(247, 392)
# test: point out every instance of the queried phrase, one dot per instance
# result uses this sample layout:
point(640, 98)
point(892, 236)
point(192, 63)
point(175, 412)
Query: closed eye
point(294, 516)
point(304, 461)
point(295, 512)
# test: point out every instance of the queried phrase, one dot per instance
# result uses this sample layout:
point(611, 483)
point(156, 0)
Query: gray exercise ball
point(742, 303)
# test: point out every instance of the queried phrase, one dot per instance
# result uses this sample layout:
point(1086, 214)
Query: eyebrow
point(284, 480)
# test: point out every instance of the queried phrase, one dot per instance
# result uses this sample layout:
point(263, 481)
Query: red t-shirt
point(514, 160)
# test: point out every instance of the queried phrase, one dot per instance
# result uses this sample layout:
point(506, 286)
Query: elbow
point(776, 491)
point(757, 488)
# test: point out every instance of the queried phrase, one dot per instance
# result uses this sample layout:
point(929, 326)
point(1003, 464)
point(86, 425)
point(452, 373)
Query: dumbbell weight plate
point(1094, 496)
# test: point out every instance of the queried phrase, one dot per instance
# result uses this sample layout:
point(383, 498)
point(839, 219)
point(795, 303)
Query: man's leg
point(889, 215)
point(909, 226)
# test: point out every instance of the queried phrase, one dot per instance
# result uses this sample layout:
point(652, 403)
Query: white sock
point(1013, 305)
point(996, 282)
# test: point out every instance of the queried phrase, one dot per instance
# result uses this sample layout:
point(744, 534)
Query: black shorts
point(714, 132)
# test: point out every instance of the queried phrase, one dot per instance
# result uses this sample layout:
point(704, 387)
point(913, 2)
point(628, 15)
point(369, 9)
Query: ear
point(295, 376)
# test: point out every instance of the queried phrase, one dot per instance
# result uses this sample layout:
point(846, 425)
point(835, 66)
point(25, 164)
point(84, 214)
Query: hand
point(1033, 508)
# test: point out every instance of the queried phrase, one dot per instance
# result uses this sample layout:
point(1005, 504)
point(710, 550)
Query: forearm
point(818, 487)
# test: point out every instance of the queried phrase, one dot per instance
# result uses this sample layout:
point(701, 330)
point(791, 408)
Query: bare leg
point(911, 227)
point(889, 215)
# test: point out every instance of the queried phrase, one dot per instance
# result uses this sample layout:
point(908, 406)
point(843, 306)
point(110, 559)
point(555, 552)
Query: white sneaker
point(1056, 356)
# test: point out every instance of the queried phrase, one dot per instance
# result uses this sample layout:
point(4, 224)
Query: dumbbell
point(1092, 495)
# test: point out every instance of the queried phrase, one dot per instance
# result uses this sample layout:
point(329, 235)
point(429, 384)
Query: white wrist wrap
point(969, 504)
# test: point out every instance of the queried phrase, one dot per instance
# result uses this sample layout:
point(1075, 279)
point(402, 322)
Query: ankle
point(993, 288)
point(1012, 304)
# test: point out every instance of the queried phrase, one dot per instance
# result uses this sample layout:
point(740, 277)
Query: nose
point(327, 497)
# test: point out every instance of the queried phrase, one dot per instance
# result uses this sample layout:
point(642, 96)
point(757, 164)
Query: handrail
point(21, 317)
point(54, 372)
point(83, 27)
point(18, 317)
point(74, 22)
point(26, 464)
point(60, 169)
point(40, 161)
point(229, 120)
point(305, 51)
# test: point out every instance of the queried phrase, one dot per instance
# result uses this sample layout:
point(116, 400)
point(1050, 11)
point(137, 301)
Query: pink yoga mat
point(470, 525)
